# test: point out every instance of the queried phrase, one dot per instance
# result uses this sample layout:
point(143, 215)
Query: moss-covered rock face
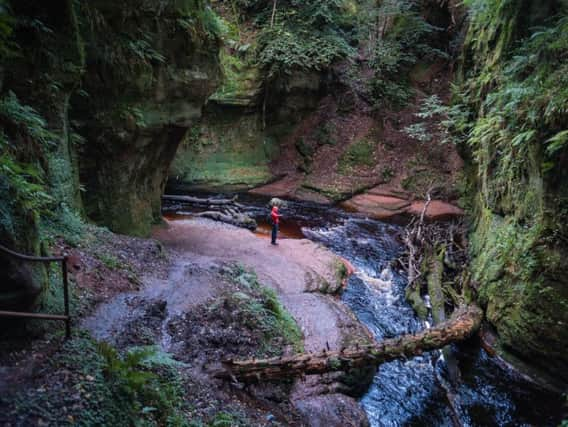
point(517, 168)
point(150, 67)
point(100, 90)
point(246, 118)
point(41, 65)
point(225, 150)
point(238, 137)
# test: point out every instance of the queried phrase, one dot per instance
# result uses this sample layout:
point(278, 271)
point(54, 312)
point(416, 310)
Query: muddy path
point(304, 275)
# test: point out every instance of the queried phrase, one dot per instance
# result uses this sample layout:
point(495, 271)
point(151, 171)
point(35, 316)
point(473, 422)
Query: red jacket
point(275, 216)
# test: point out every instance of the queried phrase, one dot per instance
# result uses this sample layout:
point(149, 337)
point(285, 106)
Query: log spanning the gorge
point(464, 322)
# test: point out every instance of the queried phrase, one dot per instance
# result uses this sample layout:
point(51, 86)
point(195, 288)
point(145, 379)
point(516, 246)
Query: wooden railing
point(46, 260)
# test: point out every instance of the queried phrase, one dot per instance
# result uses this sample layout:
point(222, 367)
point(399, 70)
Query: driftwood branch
point(224, 210)
point(459, 327)
point(230, 217)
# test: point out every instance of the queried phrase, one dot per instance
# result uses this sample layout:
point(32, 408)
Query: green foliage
point(223, 419)
point(124, 372)
point(305, 35)
point(419, 132)
point(94, 385)
point(8, 47)
point(516, 98)
point(407, 43)
point(25, 179)
point(110, 261)
point(25, 120)
point(451, 122)
point(341, 272)
point(263, 310)
point(66, 224)
point(153, 395)
point(527, 110)
point(360, 153)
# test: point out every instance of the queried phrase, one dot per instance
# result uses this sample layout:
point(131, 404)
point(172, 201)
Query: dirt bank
point(199, 292)
point(300, 271)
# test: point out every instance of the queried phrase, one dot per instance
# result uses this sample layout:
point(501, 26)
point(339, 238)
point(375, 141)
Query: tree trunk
point(464, 322)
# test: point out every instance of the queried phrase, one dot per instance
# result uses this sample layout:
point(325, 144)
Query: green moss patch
point(227, 150)
point(359, 154)
point(246, 321)
point(93, 384)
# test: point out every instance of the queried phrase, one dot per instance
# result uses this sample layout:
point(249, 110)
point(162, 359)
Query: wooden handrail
point(30, 258)
point(63, 260)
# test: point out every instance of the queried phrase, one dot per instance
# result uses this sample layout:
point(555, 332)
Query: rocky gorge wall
point(243, 126)
point(96, 97)
point(150, 67)
point(516, 164)
point(508, 123)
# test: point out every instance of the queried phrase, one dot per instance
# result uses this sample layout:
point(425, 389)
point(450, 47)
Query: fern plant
point(407, 42)
point(24, 177)
point(304, 35)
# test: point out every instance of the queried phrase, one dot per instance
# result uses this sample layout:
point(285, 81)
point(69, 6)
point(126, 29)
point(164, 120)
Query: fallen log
point(464, 322)
point(231, 217)
point(201, 201)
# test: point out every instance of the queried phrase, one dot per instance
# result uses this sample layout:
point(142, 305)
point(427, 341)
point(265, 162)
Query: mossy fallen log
point(435, 262)
point(464, 322)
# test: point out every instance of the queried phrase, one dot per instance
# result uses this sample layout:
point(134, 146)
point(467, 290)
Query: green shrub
point(305, 35)
point(263, 310)
point(408, 42)
point(360, 153)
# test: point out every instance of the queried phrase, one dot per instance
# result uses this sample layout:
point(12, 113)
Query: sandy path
point(289, 268)
point(197, 250)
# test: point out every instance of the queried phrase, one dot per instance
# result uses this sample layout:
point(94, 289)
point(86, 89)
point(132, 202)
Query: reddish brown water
point(286, 230)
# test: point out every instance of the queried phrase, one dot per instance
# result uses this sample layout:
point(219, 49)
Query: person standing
point(275, 217)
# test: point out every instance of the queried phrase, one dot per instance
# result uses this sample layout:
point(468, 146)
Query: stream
point(407, 393)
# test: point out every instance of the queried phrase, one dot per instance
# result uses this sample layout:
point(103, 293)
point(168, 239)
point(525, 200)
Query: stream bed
point(408, 393)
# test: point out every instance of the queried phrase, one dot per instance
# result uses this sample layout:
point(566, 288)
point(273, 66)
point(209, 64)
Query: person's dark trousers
point(274, 233)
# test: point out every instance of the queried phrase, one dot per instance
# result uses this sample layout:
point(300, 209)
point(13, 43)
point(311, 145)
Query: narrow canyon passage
point(402, 392)
point(417, 150)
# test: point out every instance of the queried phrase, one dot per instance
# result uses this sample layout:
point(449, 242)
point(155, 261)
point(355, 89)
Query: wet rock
point(148, 108)
point(284, 187)
point(377, 206)
point(437, 210)
point(389, 207)
point(144, 327)
point(332, 410)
